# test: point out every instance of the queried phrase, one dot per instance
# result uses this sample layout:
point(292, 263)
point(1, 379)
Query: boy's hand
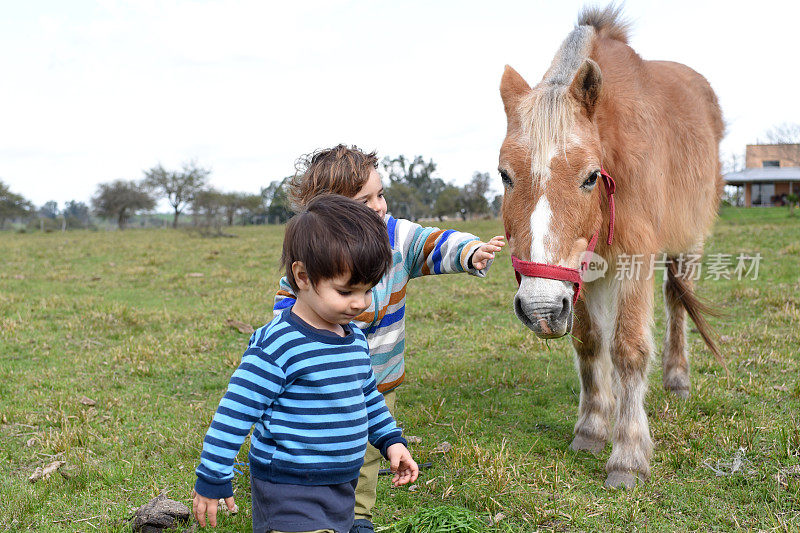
point(202, 505)
point(404, 467)
point(486, 252)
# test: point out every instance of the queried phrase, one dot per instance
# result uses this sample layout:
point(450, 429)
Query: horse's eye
point(591, 180)
point(506, 179)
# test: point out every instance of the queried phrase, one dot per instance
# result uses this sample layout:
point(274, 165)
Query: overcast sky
point(94, 91)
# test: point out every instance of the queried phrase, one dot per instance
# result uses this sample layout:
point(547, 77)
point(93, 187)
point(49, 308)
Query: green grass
point(136, 322)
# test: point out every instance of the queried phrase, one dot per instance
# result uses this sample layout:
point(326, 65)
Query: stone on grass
point(160, 514)
point(44, 473)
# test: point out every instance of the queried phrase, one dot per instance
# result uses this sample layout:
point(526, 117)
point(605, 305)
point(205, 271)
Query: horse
point(649, 132)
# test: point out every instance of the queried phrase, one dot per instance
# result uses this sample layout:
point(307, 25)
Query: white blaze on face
point(540, 230)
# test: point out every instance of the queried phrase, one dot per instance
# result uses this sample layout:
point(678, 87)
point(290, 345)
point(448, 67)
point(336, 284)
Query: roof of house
point(763, 174)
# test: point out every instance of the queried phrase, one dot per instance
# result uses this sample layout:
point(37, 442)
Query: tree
point(474, 200)
point(417, 177)
point(76, 214)
point(12, 205)
point(731, 162)
point(178, 187)
point(497, 204)
point(232, 203)
point(120, 200)
point(785, 133)
point(240, 203)
point(49, 210)
point(276, 198)
point(208, 208)
point(253, 210)
point(403, 201)
point(448, 202)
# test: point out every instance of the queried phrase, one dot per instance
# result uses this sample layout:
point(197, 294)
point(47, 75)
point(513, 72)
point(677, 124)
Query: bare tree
point(785, 133)
point(120, 200)
point(731, 162)
point(208, 212)
point(179, 187)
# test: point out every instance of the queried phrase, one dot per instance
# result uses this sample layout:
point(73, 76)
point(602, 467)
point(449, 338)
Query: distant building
point(771, 172)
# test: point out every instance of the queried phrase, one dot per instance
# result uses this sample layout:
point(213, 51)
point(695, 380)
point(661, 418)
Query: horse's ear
point(586, 86)
point(512, 88)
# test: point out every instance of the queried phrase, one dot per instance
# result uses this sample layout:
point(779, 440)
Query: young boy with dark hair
point(416, 251)
point(306, 384)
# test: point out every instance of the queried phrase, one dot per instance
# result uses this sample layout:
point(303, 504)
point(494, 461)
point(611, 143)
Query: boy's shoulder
point(264, 335)
point(358, 332)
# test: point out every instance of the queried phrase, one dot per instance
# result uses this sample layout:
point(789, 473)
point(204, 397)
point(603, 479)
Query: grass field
point(114, 352)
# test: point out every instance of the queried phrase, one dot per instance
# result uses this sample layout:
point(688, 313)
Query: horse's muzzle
point(545, 306)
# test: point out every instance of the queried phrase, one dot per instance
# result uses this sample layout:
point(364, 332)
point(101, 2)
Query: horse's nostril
point(518, 308)
point(566, 308)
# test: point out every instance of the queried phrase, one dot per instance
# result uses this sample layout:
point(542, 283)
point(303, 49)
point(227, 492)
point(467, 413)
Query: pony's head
point(550, 164)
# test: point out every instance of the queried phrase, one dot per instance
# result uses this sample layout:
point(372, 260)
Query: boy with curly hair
point(416, 251)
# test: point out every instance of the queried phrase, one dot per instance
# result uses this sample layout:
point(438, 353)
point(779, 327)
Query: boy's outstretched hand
point(404, 467)
point(202, 505)
point(486, 252)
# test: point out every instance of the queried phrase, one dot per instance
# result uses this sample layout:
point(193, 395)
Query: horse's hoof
point(586, 444)
point(678, 385)
point(623, 480)
point(683, 394)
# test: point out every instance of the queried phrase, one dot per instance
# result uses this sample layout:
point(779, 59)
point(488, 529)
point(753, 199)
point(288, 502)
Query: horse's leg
point(631, 350)
point(593, 362)
point(675, 359)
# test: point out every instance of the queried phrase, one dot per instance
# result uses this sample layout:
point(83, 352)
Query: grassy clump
point(441, 519)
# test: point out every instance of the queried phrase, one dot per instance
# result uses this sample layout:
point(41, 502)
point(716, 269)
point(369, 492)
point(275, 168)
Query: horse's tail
point(607, 22)
point(676, 288)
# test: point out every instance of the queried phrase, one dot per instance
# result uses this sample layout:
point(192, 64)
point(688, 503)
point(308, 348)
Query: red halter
point(572, 275)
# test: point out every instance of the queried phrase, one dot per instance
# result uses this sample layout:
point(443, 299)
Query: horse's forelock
point(547, 119)
point(547, 113)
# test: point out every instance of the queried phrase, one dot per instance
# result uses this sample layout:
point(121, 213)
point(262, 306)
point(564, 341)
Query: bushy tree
point(179, 187)
point(497, 204)
point(76, 214)
point(474, 200)
point(253, 210)
point(415, 187)
point(120, 200)
point(12, 205)
point(276, 198)
point(448, 202)
point(404, 202)
point(49, 210)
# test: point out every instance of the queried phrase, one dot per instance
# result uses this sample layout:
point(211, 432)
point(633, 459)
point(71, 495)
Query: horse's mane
point(607, 22)
point(546, 113)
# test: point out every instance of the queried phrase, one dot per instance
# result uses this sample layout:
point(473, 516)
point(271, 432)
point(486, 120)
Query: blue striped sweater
point(313, 400)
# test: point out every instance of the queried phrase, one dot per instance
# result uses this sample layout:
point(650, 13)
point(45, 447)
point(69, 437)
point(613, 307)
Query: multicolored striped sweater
point(312, 398)
point(417, 251)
